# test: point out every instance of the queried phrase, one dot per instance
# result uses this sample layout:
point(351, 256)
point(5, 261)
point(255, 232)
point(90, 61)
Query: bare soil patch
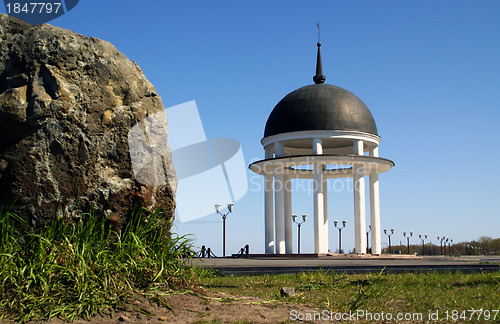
point(200, 307)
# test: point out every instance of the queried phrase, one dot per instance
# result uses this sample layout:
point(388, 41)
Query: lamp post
point(336, 222)
point(229, 210)
point(423, 238)
point(449, 247)
point(294, 219)
point(367, 242)
point(389, 236)
point(441, 241)
point(408, 240)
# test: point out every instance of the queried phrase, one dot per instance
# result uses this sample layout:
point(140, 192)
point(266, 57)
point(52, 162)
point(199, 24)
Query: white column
point(359, 202)
point(279, 211)
point(319, 206)
point(325, 209)
point(279, 149)
point(318, 200)
point(268, 207)
point(288, 216)
point(279, 207)
point(375, 207)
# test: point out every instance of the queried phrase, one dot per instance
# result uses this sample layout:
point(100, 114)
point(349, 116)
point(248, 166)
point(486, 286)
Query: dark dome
point(320, 107)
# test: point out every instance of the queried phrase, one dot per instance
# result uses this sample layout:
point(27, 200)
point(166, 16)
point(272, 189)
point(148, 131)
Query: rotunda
point(318, 132)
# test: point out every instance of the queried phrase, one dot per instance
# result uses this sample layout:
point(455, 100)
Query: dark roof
point(320, 107)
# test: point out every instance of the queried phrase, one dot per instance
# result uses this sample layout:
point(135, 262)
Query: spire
point(319, 77)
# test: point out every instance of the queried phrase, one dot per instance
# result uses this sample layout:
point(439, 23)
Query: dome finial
point(319, 77)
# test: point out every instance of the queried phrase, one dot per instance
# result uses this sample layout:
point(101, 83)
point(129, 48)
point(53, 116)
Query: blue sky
point(428, 70)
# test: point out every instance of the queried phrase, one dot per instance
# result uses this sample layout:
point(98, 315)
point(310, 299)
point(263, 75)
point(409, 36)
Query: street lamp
point(389, 236)
point(367, 242)
point(441, 241)
point(423, 238)
point(408, 240)
point(336, 222)
point(449, 246)
point(294, 218)
point(229, 210)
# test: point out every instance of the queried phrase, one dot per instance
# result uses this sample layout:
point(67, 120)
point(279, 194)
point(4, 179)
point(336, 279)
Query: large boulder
point(67, 105)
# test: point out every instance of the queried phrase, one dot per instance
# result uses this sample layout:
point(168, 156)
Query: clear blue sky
point(428, 70)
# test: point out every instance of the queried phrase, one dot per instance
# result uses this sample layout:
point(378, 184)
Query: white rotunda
point(319, 132)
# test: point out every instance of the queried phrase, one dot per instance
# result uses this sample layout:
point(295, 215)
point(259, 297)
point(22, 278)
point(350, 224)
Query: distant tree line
point(485, 245)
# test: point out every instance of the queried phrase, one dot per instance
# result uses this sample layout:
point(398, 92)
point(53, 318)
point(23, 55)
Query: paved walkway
point(258, 265)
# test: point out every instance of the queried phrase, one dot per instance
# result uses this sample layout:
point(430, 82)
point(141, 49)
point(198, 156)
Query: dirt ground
point(202, 307)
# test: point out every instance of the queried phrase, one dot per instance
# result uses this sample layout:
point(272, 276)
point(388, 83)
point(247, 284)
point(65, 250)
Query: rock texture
point(67, 104)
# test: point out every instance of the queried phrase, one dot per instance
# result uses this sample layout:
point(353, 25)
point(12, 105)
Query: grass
point(80, 267)
point(376, 293)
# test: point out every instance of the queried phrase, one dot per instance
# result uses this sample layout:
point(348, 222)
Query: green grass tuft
point(75, 269)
